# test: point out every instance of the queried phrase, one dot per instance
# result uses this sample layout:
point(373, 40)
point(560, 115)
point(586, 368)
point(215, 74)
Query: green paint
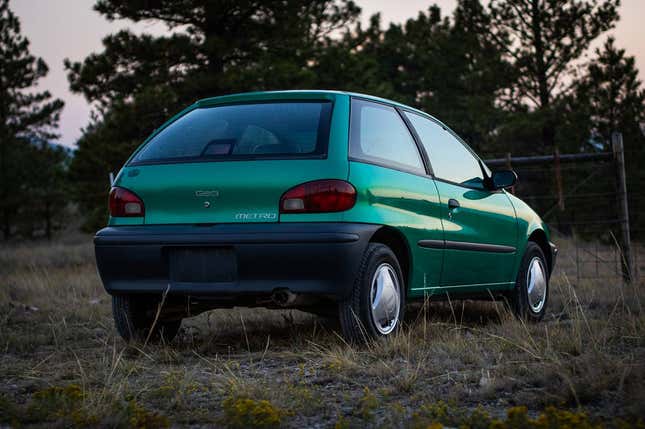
point(415, 205)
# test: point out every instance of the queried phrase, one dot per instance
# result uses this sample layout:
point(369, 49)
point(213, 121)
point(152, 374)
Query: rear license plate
point(202, 265)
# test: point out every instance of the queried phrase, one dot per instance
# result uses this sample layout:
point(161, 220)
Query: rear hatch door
point(220, 192)
point(232, 163)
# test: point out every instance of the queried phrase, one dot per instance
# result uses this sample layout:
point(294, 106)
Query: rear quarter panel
point(410, 204)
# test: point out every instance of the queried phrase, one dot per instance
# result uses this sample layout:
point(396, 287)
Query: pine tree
point(614, 99)
point(614, 93)
point(468, 76)
point(543, 39)
point(348, 63)
point(27, 119)
point(447, 66)
point(214, 48)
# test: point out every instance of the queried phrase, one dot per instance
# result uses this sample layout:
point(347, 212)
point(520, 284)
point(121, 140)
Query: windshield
point(275, 130)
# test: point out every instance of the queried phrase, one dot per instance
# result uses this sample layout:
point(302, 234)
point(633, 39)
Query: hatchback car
point(330, 202)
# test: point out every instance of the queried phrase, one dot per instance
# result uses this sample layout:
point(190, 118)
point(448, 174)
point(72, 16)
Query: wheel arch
point(395, 240)
point(539, 237)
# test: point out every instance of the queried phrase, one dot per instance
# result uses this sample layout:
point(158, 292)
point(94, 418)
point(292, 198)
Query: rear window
point(278, 130)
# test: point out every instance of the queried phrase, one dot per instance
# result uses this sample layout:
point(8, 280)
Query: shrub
point(244, 412)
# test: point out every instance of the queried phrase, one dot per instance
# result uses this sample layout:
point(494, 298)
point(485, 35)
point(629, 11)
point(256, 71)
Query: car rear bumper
point(305, 258)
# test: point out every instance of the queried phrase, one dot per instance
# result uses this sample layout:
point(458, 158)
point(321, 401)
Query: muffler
point(284, 297)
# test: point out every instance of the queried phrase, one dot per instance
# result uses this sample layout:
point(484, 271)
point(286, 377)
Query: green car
point(340, 204)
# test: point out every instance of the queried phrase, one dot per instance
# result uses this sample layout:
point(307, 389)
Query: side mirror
point(503, 179)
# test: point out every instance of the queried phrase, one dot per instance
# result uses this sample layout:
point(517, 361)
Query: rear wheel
point(529, 298)
point(134, 317)
point(376, 305)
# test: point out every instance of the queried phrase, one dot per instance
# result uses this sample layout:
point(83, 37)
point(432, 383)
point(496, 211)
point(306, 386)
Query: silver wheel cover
point(536, 284)
point(385, 299)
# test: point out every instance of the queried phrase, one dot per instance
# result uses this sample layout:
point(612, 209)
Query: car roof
point(303, 94)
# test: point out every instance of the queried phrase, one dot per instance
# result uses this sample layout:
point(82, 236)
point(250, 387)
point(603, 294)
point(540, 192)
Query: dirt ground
point(456, 363)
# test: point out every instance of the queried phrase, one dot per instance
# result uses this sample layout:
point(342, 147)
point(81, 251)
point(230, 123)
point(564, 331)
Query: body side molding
point(462, 245)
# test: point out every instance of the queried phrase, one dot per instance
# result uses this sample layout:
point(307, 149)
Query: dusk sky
point(71, 29)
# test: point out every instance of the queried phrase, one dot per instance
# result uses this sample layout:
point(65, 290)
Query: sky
point(59, 29)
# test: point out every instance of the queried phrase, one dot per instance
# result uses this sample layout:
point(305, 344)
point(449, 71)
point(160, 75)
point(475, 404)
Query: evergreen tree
point(27, 119)
point(106, 144)
point(612, 97)
point(466, 76)
point(347, 63)
point(543, 39)
point(411, 56)
point(614, 93)
point(498, 75)
point(214, 48)
point(45, 196)
point(448, 67)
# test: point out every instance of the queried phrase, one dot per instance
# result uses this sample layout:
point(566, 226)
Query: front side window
point(378, 134)
point(243, 131)
point(451, 160)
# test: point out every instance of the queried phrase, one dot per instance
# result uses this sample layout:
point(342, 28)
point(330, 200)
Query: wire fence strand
point(583, 212)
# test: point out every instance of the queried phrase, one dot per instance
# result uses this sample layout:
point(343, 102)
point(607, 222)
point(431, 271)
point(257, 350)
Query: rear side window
point(379, 135)
point(278, 130)
point(451, 160)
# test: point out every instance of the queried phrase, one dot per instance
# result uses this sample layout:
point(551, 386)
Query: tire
point(358, 321)
point(134, 316)
point(531, 306)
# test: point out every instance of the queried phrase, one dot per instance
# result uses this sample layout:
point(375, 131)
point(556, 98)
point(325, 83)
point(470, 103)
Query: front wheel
point(376, 305)
point(529, 298)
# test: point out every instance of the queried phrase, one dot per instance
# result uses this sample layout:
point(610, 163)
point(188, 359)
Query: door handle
point(453, 204)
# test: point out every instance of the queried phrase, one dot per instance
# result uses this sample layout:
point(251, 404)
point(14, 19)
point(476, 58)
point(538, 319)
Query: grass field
point(455, 363)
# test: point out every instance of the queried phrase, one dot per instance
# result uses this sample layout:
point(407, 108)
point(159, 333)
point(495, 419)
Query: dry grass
point(456, 363)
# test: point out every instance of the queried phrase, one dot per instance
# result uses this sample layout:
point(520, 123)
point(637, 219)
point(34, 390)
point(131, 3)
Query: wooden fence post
point(623, 208)
point(558, 179)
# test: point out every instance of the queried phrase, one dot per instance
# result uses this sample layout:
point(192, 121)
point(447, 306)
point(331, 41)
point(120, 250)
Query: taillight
point(124, 203)
point(319, 197)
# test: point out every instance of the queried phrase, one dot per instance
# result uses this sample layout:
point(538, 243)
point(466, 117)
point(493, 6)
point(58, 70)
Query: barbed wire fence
point(584, 199)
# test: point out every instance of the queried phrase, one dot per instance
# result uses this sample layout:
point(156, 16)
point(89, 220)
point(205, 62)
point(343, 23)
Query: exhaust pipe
point(283, 297)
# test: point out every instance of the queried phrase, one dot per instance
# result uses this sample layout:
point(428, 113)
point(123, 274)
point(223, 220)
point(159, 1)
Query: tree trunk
point(212, 29)
point(48, 221)
point(4, 183)
point(548, 127)
point(6, 225)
